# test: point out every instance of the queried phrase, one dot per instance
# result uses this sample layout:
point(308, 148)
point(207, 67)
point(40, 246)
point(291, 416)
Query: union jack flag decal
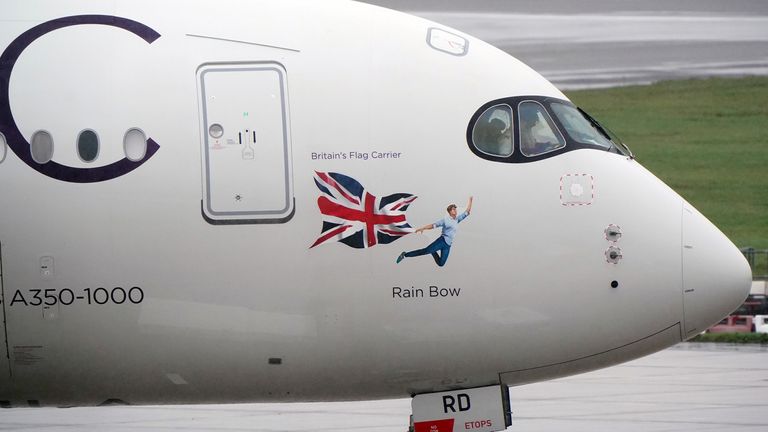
point(357, 218)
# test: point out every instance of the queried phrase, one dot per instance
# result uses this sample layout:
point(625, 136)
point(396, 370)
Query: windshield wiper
point(607, 133)
point(595, 124)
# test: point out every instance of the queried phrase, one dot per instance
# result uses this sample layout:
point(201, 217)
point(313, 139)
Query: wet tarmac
point(600, 43)
point(691, 387)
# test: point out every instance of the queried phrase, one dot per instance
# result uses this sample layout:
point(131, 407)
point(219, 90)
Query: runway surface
point(691, 387)
point(600, 43)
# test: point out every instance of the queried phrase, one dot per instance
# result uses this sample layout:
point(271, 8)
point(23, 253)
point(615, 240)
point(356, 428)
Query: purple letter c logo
point(16, 141)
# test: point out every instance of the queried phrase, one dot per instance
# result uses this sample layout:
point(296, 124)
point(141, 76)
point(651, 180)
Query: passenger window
point(538, 133)
point(492, 133)
point(135, 145)
point(3, 148)
point(42, 147)
point(88, 145)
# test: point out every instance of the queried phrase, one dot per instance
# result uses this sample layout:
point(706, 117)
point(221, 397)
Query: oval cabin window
point(42, 147)
point(88, 145)
point(135, 144)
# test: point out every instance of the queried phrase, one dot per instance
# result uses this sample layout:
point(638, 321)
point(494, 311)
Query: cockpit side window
point(492, 133)
point(578, 127)
point(538, 133)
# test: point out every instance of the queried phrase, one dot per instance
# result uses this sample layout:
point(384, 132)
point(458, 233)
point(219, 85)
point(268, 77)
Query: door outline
point(7, 354)
point(272, 216)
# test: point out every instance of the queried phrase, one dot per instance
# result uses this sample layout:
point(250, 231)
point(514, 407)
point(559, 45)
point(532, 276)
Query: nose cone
point(716, 276)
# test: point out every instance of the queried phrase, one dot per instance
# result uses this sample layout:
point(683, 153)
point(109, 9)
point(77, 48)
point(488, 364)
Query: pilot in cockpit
point(496, 138)
point(502, 137)
point(529, 117)
point(537, 134)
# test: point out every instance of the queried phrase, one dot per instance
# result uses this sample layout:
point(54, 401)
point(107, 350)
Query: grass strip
point(737, 338)
point(706, 138)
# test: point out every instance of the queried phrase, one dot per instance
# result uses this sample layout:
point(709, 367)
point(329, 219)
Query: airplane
point(252, 201)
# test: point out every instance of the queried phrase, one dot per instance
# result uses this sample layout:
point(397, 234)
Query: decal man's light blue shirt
point(449, 226)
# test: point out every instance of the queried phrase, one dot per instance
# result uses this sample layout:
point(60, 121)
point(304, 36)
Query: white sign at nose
point(478, 410)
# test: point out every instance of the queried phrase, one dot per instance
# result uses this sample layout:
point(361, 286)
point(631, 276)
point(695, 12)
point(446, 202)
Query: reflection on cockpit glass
point(538, 133)
point(492, 133)
point(579, 127)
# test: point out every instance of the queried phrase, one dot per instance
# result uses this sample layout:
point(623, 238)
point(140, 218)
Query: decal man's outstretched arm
point(469, 206)
point(424, 228)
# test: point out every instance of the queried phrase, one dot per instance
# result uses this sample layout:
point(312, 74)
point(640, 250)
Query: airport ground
point(690, 387)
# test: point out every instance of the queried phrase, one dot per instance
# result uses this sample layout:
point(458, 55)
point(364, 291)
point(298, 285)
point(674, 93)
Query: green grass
point(707, 139)
point(741, 338)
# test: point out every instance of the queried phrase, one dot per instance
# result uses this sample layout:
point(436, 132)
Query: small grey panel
point(42, 147)
point(577, 190)
point(47, 267)
point(447, 42)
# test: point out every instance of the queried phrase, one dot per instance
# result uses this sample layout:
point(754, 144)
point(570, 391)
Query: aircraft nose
point(716, 276)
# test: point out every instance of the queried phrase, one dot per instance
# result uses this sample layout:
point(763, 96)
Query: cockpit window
point(538, 133)
point(530, 128)
point(578, 126)
point(492, 133)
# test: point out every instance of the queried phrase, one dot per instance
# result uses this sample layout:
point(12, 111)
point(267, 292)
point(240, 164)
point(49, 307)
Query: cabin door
point(246, 145)
point(5, 367)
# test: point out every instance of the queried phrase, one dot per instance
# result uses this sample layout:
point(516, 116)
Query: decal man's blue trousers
point(436, 246)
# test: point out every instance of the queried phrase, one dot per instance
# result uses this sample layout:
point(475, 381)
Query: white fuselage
point(244, 310)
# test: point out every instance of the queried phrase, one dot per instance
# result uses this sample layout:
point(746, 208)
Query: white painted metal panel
point(716, 276)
